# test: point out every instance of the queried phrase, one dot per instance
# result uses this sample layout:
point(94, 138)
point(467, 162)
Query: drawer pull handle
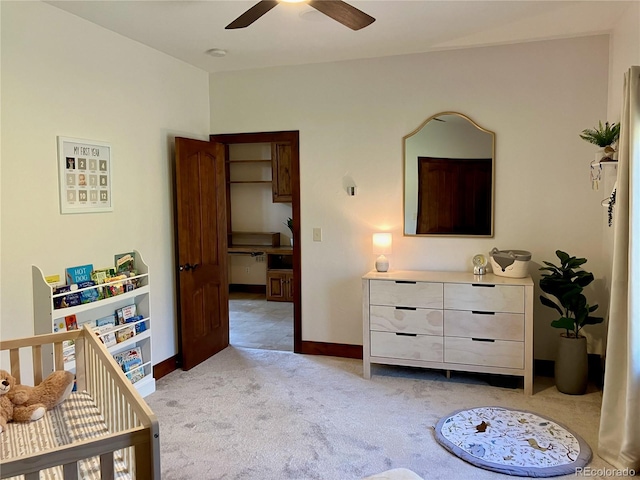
point(482, 285)
point(406, 308)
point(406, 281)
point(482, 340)
point(479, 312)
point(406, 334)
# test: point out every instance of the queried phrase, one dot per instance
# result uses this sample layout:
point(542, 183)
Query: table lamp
point(382, 247)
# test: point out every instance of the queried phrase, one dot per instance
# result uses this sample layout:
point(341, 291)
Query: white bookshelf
point(48, 319)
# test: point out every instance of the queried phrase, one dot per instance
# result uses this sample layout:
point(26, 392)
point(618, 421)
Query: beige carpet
point(260, 414)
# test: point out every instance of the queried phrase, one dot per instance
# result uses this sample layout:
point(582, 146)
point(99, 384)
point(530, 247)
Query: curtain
point(619, 440)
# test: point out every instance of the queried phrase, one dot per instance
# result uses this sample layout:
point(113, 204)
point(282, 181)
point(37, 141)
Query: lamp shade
point(381, 243)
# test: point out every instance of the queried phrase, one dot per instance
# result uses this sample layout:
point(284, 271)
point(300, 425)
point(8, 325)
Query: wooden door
point(202, 250)
point(454, 196)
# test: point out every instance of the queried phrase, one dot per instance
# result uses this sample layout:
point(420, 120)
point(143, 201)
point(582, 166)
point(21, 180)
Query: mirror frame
point(404, 178)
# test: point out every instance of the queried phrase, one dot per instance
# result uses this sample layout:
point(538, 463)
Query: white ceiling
point(293, 34)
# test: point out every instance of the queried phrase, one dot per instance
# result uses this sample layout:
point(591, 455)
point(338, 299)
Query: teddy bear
point(6, 407)
point(31, 403)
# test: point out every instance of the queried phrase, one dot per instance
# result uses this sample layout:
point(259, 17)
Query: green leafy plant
point(566, 282)
point(289, 223)
point(602, 135)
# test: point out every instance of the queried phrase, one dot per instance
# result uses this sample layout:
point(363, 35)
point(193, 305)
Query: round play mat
point(513, 442)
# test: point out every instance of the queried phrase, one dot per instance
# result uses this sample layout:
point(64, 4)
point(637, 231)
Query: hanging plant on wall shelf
point(610, 203)
point(602, 135)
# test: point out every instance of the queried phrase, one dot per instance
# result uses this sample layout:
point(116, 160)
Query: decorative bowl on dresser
point(450, 321)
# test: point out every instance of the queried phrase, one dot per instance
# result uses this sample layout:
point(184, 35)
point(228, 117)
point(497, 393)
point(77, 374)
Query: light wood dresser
point(450, 321)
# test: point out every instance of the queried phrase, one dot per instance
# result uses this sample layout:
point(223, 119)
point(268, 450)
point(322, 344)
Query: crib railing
point(133, 436)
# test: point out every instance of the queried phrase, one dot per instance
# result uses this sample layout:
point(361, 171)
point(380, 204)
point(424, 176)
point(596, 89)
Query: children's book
point(78, 274)
point(62, 301)
point(52, 279)
point(125, 333)
point(125, 261)
point(90, 295)
point(125, 313)
point(68, 353)
point(136, 375)
point(140, 327)
point(71, 322)
point(102, 275)
point(109, 339)
point(139, 324)
point(109, 321)
point(129, 359)
point(70, 300)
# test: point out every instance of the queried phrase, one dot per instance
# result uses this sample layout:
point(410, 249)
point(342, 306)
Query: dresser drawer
point(405, 320)
point(414, 347)
point(496, 326)
point(405, 294)
point(499, 353)
point(482, 297)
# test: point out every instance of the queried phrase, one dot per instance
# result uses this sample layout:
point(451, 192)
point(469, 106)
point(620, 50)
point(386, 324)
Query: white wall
point(624, 52)
point(65, 76)
point(352, 116)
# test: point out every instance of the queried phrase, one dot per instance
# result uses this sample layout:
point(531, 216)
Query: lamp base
point(382, 264)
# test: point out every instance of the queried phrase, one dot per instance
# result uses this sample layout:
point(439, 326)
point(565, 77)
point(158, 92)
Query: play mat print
point(76, 419)
point(512, 441)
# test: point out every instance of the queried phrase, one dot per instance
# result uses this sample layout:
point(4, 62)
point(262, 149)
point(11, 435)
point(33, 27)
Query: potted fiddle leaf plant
point(565, 284)
point(604, 136)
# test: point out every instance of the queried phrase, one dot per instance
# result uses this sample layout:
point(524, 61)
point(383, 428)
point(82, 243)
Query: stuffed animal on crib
point(31, 403)
point(6, 407)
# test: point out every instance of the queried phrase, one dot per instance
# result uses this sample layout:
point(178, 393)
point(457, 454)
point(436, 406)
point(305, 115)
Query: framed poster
point(85, 170)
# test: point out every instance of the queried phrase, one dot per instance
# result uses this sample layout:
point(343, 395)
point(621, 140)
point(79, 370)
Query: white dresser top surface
point(447, 277)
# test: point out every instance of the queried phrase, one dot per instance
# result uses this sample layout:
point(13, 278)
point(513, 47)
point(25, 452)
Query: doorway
point(263, 193)
point(255, 322)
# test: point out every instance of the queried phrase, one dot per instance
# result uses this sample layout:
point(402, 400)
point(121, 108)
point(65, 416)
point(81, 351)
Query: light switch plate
point(317, 234)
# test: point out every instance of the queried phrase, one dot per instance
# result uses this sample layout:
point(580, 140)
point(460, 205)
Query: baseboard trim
point(238, 287)
point(545, 368)
point(330, 349)
point(165, 367)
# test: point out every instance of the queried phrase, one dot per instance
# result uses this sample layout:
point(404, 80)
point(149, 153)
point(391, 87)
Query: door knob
point(188, 266)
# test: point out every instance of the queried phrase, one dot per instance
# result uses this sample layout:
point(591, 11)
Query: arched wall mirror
point(449, 170)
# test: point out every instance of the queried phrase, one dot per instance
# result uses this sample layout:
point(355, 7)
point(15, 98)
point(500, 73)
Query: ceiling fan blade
point(343, 12)
point(253, 14)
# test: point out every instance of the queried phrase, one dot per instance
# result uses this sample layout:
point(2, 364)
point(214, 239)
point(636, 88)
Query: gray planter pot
point(571, 368)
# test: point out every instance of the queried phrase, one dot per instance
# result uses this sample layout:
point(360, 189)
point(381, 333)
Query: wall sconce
point(382, 247)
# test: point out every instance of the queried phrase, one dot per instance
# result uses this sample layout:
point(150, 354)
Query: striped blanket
point(74, 420)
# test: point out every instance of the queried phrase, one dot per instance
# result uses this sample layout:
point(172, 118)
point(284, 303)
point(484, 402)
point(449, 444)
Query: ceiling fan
point(338, 10)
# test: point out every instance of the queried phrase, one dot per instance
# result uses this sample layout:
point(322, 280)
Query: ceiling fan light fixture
point(292, 1)
point(340, 11)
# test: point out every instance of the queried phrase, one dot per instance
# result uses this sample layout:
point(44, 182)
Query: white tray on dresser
point(450, 321)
